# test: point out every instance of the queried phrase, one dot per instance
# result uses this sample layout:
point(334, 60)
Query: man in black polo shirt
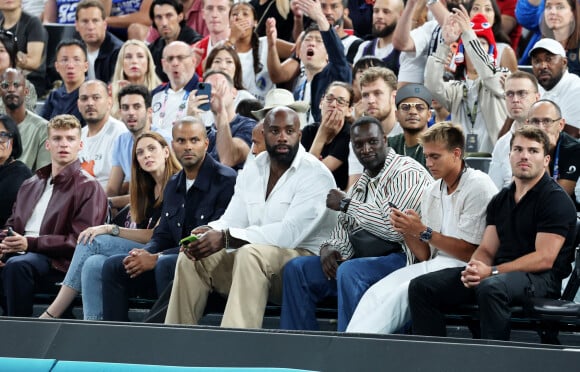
point(526, 249)
point(564, 149)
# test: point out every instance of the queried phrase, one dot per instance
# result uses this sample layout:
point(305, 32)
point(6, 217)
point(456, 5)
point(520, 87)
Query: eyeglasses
point(5, 137)
point(179, 58)
point(329, 98)
point(544, 122)
point(66, 62)
point(6, 84)
point(420, 107)
point(518, 93)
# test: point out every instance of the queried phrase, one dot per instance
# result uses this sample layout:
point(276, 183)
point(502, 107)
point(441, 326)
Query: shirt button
point(178, 224)
point(202, 216)
point(166, 214)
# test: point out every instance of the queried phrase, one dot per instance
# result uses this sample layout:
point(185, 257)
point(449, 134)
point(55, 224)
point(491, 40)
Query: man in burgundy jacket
point(50, 211)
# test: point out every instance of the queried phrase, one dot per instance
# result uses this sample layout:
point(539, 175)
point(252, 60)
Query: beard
point(387, 31)
point(283, 158)
point(13, 104)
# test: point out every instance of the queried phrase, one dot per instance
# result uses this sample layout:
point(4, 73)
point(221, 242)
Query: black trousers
point(433, 294)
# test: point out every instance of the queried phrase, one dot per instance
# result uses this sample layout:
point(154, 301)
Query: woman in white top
point(253, 50)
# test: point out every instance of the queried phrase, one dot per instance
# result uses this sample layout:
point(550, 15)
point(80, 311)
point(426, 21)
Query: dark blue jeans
point(20, 276)
point(118, 286)
point(305, 285)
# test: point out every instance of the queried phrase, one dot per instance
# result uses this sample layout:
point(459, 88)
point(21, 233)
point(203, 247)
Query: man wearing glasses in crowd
point(564, 150)
point(71, 64)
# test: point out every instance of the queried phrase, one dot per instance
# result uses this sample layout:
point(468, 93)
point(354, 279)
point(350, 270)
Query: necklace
point(416, 150)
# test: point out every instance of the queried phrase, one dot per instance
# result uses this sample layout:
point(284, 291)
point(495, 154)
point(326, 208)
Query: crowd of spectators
point(304, 149)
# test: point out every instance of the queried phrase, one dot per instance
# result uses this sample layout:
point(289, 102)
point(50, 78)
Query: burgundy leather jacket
point(77, 202)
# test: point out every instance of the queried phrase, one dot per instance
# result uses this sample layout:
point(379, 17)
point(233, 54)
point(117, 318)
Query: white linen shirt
point(500, 169)
point(293, 216)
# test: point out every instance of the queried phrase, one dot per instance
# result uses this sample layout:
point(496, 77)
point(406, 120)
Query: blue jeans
point(84, 273)
point(305, 285)
point(118, 286)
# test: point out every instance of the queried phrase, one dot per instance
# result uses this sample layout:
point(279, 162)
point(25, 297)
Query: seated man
point(51, 210)
point(450, 229)
point(197, 195)
point(388, 180)
point(277, 213)
point(526, 249)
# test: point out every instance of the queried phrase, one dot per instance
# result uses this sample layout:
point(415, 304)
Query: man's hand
point(209, 243)
point(329, 258)
point(333, 199)
point(450, 30)
point(407, 223)
point(474, 273)
point(218, 92)
point(139, 261)
point(294, 6)
point(14, 244)
point(313, 10)
point(194, 101)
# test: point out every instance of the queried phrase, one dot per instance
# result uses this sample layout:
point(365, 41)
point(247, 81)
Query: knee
point(347, 270)
point(113, 265)
point(15, 266)
point(166, 262)
point(490, 287)
point(417, 289)
point(295, 266)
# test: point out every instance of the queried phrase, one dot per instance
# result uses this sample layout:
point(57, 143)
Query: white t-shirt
point(33, 224)
point(92, 58)
point(380, 53)
point(257, 84)
point(565, 94)
point(97, 152)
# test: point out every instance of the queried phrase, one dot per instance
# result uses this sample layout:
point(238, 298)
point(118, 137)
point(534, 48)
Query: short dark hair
point(313, 27)
point(211, 72)
point(535, 134)
point(364, 120)
point(136, 89)
point(174, 3)
point(246, 106)
point(12, 128)
point(445, 133)
point(367, 62)
point(71, 42)
point(85, 4)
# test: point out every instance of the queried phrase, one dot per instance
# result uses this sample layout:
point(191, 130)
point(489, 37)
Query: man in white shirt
point(450, 228)
point(550, 66)
point(521, 91)
point(101, 132)
point(278, 212)
point(170, 101)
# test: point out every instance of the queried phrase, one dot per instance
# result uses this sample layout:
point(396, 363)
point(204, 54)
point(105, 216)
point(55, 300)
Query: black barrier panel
point(209, 346)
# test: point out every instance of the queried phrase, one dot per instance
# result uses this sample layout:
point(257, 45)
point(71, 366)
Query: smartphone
point(204, 89)
point(10, 232)
point(188, 239)
point(392, 205)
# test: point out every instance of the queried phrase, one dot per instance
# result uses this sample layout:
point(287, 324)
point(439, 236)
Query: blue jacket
point(60, 102)
point(184, 210)
point(337, 69)
point(529, 16)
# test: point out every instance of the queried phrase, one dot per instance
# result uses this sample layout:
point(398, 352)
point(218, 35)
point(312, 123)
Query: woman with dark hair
point(8, 52)
point(12, 172)
point(153, 165)
point(506, 57)
point(253, 50)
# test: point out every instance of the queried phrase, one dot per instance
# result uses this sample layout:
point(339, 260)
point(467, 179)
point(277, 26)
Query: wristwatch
point(426, 235)
point(431, 2)
point(494, 270)
point(344, 203)
point(115, 230)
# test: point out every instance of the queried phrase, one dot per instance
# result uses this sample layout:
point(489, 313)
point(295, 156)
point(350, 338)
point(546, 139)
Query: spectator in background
point(71, 64)
point(153, 165)
point(478, 101)
point(32, 127)
point(281, 11)
point(134, 65)
point(102, 46)
point(31, 40)
point(167, 18)
point(564, 151)
point(51, 210)
point(258, 142)
point(253, 50)
point(246, 107)
point(329, 140)
point(8, 51)
point(550, 66)
point(521, 91)
point(216, 16)
point(192, 11)
point(385, 16)
point(129, 20)
point(64, 11)
point(359, 67)
point(412, 102)
point(360, 17)
point(12, 171)
point(100, 133)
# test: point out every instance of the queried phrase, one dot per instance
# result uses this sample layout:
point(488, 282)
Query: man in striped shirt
point(388, 180)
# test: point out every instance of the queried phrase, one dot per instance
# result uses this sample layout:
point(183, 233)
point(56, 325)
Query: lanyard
point(181, 106)
point(471, 114)
point(556, 160)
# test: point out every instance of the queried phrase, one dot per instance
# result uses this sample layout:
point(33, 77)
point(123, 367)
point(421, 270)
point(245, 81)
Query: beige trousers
point(248, 276)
